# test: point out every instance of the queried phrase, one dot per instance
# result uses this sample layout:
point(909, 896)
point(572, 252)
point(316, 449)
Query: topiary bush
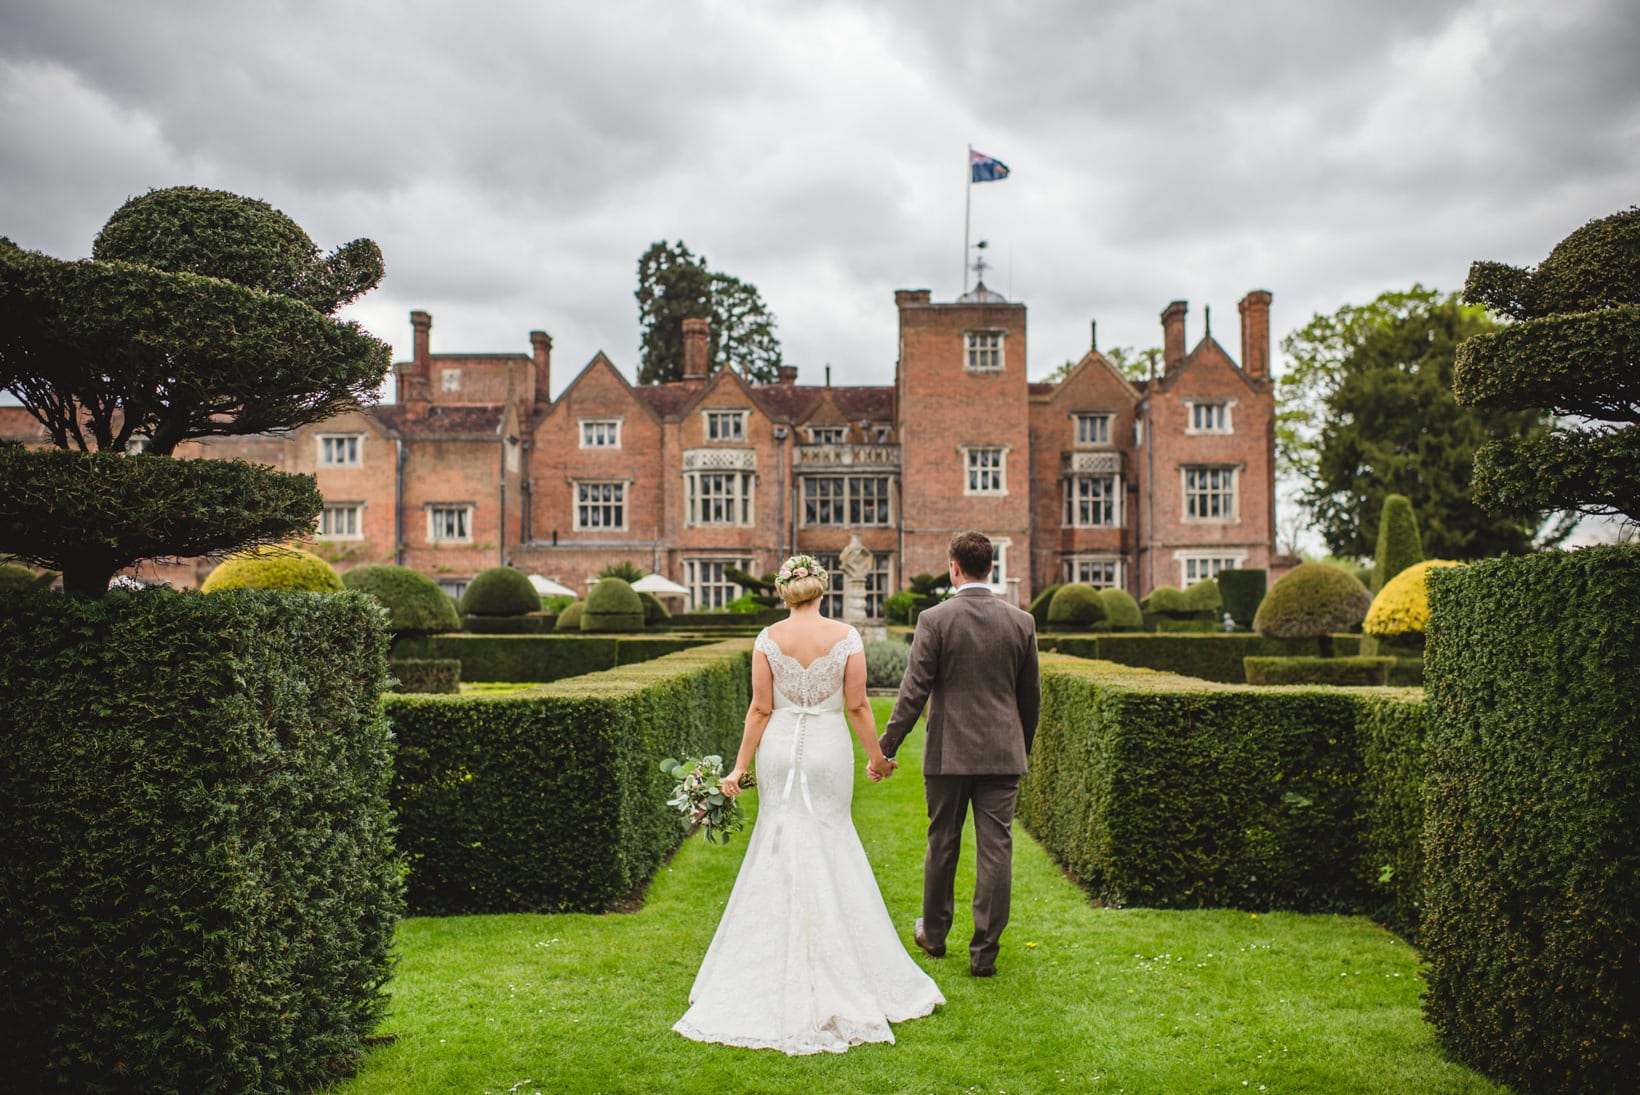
point(1075, 606)
point(898, 608)
point(426, 674)
point(289, 570)
point(654, 613)
point(886, 663)
point(612, 606)
point(500, 591)
point(1242, 590)
point(569, 618)
point(1166, 600)
point(1311, 601)
point(1398, 543)
point(18, 577)
point(1345, 672)
point(1121, 610)
point(1401, 609)
point(1040, 603)
point(414, 602)
point(1203, 596)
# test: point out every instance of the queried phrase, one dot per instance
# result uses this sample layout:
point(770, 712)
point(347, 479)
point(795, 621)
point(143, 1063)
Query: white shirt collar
point(974, 585)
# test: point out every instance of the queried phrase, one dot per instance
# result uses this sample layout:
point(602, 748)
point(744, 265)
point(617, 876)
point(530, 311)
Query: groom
point(973, 661)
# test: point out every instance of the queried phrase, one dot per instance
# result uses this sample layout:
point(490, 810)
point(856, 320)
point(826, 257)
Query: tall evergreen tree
point(674, 284)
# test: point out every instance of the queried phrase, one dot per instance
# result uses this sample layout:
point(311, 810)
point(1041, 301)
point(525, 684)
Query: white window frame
point(1095, 422)
point(724, 424)
point(971, 455)
point(1071, 494)
point(355, 452)
point(593, 430)
point(356, 512)
point(583, 504)
point(450, 380)
point(741, 500)
point(1224, 407)
point(1078, 569)
point(1231, 510)
point(434, 509)
point(998, 578)
point(984, 350)
point(708, 588)
point(1196, 565)
point(828, 435)
point(849, 503)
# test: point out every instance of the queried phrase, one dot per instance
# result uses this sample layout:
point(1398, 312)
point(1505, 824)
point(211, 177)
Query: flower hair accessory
point(799, 566)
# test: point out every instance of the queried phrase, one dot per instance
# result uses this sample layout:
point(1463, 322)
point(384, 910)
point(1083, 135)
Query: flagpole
point(967, 216)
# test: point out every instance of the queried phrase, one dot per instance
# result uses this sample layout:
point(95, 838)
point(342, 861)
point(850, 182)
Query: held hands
point(880, 769)
point(731, 782)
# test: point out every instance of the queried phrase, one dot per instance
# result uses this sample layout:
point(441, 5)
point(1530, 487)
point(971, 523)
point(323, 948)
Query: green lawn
point(1085, 998)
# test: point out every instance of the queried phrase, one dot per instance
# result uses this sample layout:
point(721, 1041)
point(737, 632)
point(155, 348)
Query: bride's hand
point(731, 782)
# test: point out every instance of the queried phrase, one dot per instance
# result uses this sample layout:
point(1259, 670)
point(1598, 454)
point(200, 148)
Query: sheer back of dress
point(820, 683)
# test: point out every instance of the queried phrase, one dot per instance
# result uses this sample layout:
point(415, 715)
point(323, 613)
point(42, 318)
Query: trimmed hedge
point(1039, 605)
point(426, 674)
point(1242, 590)
point(1400, 611)
point(1532, 916)
point(500, 591)
point(541, 658)
point(1215, 657)
point(1155, 789)
point(414, 602)
point(531, 623)
point(200, 887)
point(551, 800)
point(1312, 601)
point(289, 570)
point(570, 618)
point(1075, 606)
point(655, 614)
point(613, 605)
point(1344, 672)
point(1121, 610)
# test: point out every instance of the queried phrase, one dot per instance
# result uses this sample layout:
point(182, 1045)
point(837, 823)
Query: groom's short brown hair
point(971, 551)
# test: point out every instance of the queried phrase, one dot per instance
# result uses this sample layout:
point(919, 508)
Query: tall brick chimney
point(1173, 334)
point(417, 390)
point(697, 337)
point(1255, 333)
point(902, 297)
point(541, 348)
point(788, 375)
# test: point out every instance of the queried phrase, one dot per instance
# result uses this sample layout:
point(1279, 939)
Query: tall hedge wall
point(539, 658)
point(1532, 922)
point(1156, 789)
point(1215, 657)
point(198, 887)
point(552, 800)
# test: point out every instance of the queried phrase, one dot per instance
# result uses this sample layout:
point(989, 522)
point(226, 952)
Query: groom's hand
point(877, 773)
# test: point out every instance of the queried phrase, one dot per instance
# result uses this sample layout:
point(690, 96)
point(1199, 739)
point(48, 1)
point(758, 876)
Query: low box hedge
point(551, 799)
point(540, 658)
point(426, 674)
point(533, 623)
point(1336, 671)
point(1215, 657)
point(1158, 789)
point(199, 887)
point(1532, 899)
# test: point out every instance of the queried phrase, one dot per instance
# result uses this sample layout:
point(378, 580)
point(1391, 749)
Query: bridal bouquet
point(700, 799)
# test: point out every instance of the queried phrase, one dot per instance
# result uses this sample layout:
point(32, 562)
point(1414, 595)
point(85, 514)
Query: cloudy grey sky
point(513, 159)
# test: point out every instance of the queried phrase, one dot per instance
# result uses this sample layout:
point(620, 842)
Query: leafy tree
point(1575, 351)
point(199, 313)
point(674, 285)
point(1392, 426)
point(625, 570)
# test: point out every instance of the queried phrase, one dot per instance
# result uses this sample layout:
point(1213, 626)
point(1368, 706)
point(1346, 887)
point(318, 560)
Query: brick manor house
point(1094, 478)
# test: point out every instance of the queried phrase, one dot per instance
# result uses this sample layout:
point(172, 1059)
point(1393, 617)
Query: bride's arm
point(860, 718)
point(757, 717)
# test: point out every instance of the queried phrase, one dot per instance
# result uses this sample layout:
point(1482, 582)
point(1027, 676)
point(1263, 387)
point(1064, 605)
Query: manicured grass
point(1085, 998)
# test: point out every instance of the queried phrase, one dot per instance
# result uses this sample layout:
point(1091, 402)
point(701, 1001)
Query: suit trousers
point(993, 799)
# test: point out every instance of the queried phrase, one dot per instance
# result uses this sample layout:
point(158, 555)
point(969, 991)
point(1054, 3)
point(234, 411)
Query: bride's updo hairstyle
point(801, 580)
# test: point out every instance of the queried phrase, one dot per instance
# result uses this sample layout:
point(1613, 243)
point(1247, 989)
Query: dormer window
point(984, 351)
point(725, 425)
point(827, 435)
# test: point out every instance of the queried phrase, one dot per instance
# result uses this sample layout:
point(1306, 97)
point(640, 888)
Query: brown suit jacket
point(973, 662)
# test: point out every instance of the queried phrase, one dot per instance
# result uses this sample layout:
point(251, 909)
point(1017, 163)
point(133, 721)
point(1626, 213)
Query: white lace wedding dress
point(806, 959)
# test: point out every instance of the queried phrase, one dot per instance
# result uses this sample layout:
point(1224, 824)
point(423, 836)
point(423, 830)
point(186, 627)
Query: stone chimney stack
point(541, 349)
point(1255, 333)
point(903, 297)
point(416, 391)
point(1173, 334)
point(697, 337)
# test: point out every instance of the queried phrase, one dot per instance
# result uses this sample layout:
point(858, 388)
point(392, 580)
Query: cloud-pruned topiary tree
point(1575, 351)
point(1312, 601)
point(200, 313)
point(1398, 543)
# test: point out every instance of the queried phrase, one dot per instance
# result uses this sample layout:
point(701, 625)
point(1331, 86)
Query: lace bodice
point(814, 684)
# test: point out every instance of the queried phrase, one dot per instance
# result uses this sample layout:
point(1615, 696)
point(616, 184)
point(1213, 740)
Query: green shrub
point(533, 623)
point(746, 604)
point(1532, 882)
point(1215, 657)
point(1203, 596)
point(1311, 601)
point(1039, 605)
point(1391, 728)
point(15, 576)
point(414, 602)
point(1075, 606)
point(541, 658)
point(626, 570)
point(287, 570)
point(1121, 610)
point(1174, 625)
point(1334, 671)
point(200, 887)
point(1242, 591)
point(1166, 600)
point(1407, 672)
point(897, 607)
point(612, 606)
point(500, 591)
point(1398, 543)
point(555, 605)
point(551, 800)
point(426, 674)
point(885, 663)
point(570, 618)
point(654, 613)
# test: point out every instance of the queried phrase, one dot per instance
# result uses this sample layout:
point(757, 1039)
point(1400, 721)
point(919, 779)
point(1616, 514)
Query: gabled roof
point(1093, 359)
point(450, 420)
point(1206, 349)
point(600, 360)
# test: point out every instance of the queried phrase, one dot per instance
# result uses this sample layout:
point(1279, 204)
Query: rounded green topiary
point(290, 570)
point(18, 576)
point(414, 602)
point(1040, 603)
point(654, 613)
point(1310, 601)
point(500, 591)
point(613, 605)
point(1166, 601)
point(1203, 596)
point(1242, 590)
point(1398, 543)
point(1075, 605)
point(570, 618)
point(1121, 610)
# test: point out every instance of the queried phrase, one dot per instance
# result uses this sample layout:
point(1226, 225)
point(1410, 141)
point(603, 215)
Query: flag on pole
point(983, 168)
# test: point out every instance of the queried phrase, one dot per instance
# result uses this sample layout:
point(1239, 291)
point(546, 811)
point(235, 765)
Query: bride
point(806, 959)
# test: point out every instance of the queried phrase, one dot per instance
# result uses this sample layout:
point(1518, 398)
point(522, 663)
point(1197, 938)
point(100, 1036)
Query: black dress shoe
point(922, 941)
point(982, 971)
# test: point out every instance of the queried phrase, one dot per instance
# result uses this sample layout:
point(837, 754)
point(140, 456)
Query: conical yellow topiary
point(1402, 606)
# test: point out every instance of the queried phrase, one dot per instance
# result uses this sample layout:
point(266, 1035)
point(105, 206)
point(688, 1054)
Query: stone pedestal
point(856, 563)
